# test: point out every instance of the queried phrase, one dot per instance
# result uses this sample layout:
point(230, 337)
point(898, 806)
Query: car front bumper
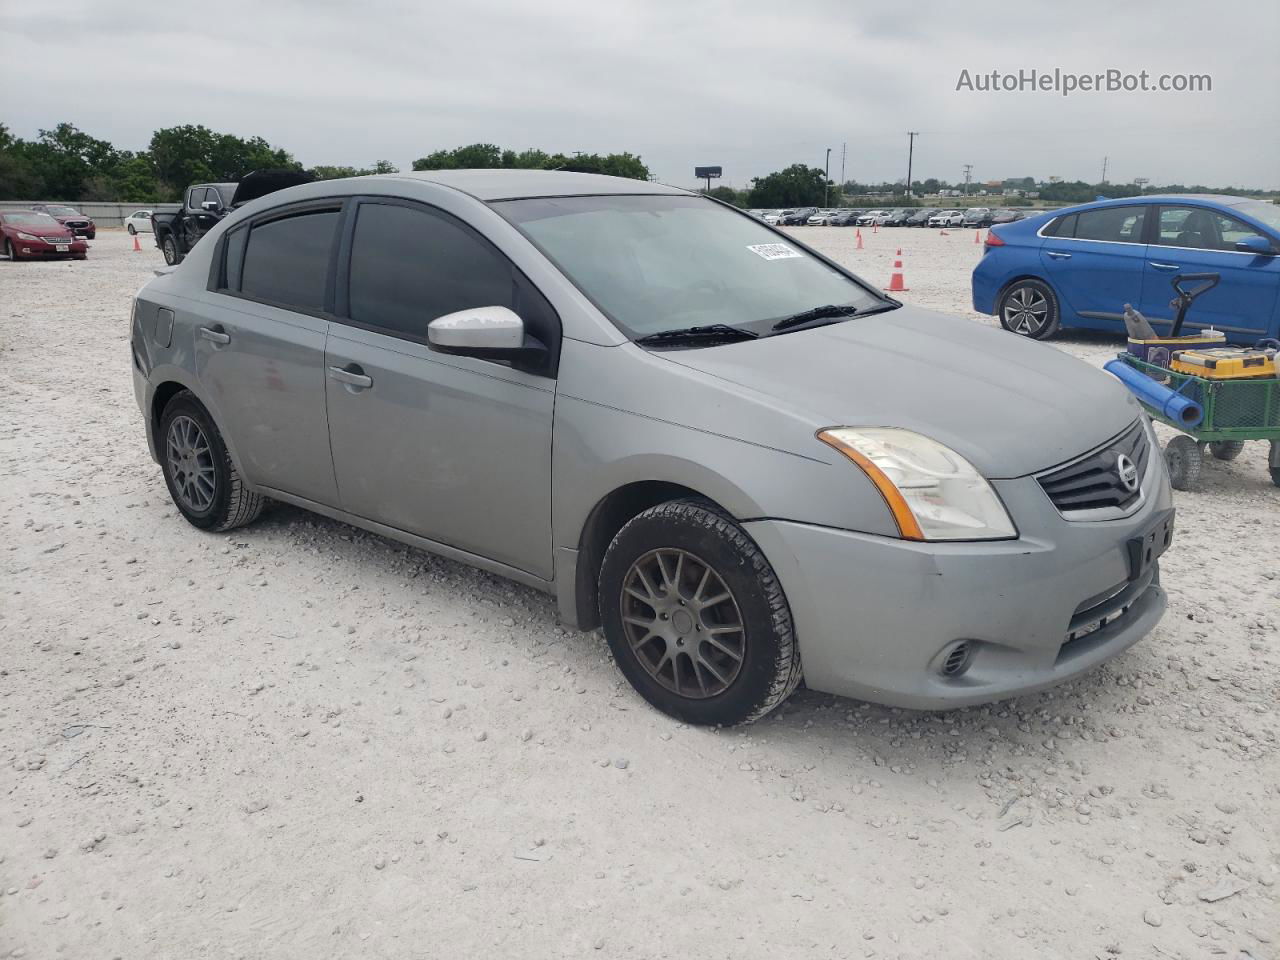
point(876, 617)
point(40, 248)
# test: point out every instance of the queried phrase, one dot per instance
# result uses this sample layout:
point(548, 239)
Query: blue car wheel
point(1029, 308)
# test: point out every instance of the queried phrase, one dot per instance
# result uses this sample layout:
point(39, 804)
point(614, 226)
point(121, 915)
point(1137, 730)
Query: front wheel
point(169, 247)
point(132, 230)
point(9, 250)
point(1029, 308)
point(198, 470)
point(1184, 458)
point(695, 616)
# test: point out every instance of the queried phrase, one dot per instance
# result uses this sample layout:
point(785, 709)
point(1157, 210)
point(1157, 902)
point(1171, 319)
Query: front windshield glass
point(32, 219)
point(1268, 213)
point(656, 263)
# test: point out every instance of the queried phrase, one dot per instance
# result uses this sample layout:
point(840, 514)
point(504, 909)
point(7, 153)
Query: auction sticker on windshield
point(773, 251)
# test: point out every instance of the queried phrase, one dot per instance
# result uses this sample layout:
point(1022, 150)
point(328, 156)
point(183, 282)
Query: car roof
point(518, 184)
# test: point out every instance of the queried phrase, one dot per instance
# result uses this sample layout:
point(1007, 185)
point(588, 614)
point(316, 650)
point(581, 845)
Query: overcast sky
point(748, 84)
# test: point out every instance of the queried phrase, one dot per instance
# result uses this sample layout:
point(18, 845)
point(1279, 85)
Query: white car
point(822, 218)
point(775, 218)
point(947, 218)
point(138, 222)
point(870, 217)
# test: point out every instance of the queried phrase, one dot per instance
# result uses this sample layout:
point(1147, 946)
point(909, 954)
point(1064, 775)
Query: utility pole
point(911, 142)
point(826, 180)
point(843, 147)
point(968, 170)
point(1104, 170)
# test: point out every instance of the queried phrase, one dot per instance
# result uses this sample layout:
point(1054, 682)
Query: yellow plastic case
point(1223, 363)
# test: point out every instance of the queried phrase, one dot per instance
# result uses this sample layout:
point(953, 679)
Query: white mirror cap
point(493, 328)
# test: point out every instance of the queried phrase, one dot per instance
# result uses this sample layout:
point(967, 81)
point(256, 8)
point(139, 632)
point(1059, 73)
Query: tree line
point(65, 163)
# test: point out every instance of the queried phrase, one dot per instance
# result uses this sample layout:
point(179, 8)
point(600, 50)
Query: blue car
point(1079, 266)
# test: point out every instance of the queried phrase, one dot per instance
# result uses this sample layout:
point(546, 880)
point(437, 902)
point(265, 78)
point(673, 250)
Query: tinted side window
point(287, 260)
point(1062, 227)
point(1201, 229)
point(234, 255)
point(409, 266)
point(1115, 224)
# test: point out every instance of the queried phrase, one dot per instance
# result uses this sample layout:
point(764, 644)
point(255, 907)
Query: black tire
point(1226, 449)
point(132, 230)
point(9, 251)
point(1029, 308)
point(1184, 458)
point(1273, 462)
point(169, 247)
point(230, 504)
point(767, 668)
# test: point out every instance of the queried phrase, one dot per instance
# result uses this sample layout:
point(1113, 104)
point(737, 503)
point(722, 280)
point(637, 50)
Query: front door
point(1095, 263)
point(260, 351)
point(1193, 239)
point(454, 449)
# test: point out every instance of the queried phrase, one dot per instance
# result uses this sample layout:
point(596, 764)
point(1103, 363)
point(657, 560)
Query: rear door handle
point(1164, 266)
point(215, 335)
point(1057, 256)
point(352, 375)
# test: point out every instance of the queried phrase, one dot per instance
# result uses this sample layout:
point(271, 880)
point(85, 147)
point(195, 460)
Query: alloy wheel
point(190, 461)
point(1026, 311)
point(683, 623)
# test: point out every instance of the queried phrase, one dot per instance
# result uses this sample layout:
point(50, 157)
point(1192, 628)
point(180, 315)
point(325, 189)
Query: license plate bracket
point(64, 247)
point(1145, 549)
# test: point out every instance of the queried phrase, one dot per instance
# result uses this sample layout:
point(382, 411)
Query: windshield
point(1267, 213)
point(655, 263)
point(31, 219)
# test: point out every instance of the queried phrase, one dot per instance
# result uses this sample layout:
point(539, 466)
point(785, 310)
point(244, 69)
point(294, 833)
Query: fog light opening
point(956, 659)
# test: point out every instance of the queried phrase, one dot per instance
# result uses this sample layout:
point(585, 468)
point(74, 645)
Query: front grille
point(56, 239)
point(1093, 482)
point(76, 223)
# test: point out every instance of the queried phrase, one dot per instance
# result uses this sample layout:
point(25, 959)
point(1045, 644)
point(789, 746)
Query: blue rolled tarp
point(1168, 403)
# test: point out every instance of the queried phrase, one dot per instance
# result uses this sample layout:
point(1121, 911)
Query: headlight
point(932, 491)
point(28, 237)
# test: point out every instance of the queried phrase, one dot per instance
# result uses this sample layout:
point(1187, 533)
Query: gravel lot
point(301, 740)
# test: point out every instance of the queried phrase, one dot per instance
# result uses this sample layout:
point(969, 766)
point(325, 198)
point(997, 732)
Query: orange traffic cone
point(896, 284)
point(943, 233)
point(875, 228)
point(858, 234)
point(137, 247)
point(977, 236)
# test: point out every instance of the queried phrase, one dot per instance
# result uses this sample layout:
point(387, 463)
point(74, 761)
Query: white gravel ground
point(300, 740)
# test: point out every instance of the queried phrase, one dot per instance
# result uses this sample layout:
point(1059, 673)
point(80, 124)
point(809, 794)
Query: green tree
point(727, 195)
point(796, 186)
point(67, 158)
point(194, 154)
point(487, 156)
point(18, 177)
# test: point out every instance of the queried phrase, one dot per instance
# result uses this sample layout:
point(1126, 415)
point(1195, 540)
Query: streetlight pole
point(911, 143)
point(826, 180)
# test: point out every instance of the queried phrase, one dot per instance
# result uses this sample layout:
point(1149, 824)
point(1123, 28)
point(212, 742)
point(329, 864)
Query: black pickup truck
point(204, 204)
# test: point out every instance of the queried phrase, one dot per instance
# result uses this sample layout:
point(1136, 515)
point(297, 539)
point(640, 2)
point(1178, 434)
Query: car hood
point(1008, 405)
point(41, 230)
point(64, 217)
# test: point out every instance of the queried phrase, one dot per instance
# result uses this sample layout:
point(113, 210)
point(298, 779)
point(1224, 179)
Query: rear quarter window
point(286, 260)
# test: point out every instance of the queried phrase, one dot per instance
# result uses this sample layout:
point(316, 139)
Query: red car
point(28, 235)
point(81, 225)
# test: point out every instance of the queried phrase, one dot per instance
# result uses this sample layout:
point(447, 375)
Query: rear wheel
point(695, 616)
point(1029, 309)
point(169, 246)
point(1184, 458)
point(132, 229)
point(1226, 449)
point(202, 480)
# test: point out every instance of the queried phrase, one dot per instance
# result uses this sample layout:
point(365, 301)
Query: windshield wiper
point(817, 313)
point(712, 331)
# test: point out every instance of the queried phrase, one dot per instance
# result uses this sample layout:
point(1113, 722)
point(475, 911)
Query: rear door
point(260, 353)
point(1195, 239)
point(454, 449)
point(1095, 262)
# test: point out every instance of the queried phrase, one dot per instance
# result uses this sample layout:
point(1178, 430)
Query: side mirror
point(1256, 244)
point(210, 205)
point(488, 333)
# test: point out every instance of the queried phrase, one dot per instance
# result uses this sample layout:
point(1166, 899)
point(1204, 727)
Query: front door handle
point(1164, 266)
point(352, 375)
point(1057, 256)
point(215, 335)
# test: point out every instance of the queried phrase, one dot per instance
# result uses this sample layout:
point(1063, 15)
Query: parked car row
point(888, 217)
point(34, 234)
